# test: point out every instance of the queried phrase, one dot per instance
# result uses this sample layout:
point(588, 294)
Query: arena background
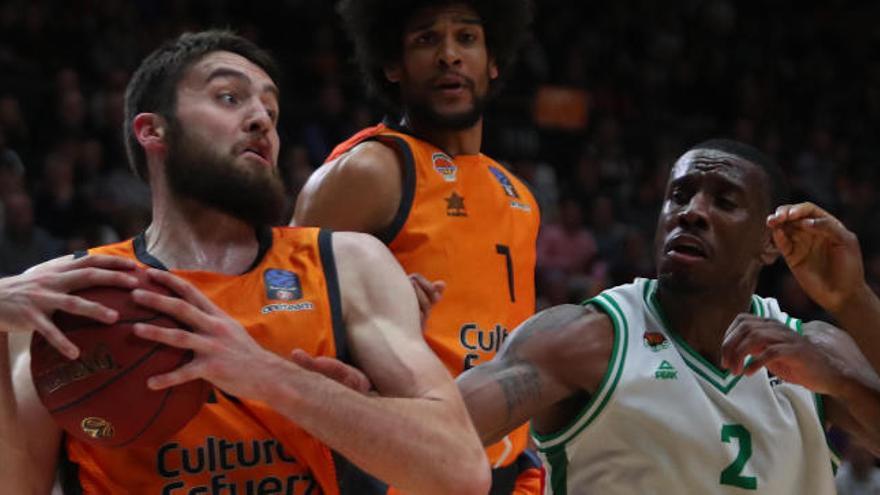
point(604, 97)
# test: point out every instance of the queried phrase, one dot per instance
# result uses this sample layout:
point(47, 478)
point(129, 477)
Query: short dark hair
point(376, 28)
point(153, 87)
point(777, 187)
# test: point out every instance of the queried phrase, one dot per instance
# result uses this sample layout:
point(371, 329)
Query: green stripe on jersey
point(557, 440)
point(558, 467)
point(722, 380)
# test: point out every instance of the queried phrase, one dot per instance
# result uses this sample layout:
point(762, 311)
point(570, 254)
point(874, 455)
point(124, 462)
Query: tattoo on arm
point(520, 384)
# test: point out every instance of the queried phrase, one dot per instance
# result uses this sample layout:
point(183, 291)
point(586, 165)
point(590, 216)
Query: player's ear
point(493, 69)
point(392, 72)
point(150, 130)
point(769, 251)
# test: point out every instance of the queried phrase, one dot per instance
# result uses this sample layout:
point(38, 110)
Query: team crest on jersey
point(655, 341)
point(444, 165)
point(283, 285)
point(509, 189)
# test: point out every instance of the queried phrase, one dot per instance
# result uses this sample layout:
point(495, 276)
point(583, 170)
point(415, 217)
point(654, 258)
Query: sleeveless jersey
point(468, 221)
point(289, 299)
point(665, 420)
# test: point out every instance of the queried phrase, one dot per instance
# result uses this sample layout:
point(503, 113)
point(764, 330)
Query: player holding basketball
point(201, 128)
point(690, 383)
point(420, 183)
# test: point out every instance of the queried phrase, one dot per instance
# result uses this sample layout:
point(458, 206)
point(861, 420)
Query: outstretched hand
point(27, 301)
point(428, 294)
point(821, 252)
point(333, 369)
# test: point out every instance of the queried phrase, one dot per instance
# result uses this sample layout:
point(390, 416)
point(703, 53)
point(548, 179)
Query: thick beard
point(196, 172)
point(422, 112)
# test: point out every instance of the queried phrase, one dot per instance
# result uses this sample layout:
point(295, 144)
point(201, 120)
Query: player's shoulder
point(559, 330)
point(358, 246)
point(366, 159)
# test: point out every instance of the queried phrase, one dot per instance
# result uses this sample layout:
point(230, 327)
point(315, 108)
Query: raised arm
point(415, 435)
point(29, 439)
point(360, 191)
point(826, 260)
point(553, 360)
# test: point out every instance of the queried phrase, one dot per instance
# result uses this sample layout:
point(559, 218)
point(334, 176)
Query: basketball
point(102, 397)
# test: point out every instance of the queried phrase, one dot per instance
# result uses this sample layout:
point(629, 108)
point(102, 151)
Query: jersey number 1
point(505, 251)
point(732, 474)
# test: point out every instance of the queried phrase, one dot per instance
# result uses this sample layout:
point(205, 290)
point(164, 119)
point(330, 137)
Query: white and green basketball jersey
point(666, 421)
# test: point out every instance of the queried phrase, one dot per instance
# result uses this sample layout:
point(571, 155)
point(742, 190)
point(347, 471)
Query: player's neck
point(453, 142)
point(188, 236)
point(702, 318)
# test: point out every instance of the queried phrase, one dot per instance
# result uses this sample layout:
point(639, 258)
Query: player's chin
point(679, 279)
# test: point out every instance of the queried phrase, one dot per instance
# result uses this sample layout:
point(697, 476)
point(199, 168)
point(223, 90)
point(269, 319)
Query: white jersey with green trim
point(666, 421)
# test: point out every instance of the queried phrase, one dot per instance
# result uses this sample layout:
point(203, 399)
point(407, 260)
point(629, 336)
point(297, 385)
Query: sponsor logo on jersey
point(184, 468)
point(480, 343)
point(655, 341)
point(455, 205)
point(444, 165)
point(282, 285)
point(505, 182)
point(509, 189)
point(666, 371)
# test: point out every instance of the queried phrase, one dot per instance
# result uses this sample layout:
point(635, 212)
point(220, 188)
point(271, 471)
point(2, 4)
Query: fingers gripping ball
point(102, 397)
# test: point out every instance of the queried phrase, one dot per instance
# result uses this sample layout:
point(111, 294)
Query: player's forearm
point(859, 315)
point(859, 392)
point(498, 400)
point(419, 445)
point(14, 459)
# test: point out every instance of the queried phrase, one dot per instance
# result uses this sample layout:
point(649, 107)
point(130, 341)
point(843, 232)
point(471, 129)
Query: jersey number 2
point(505, 251)
point(732, 474)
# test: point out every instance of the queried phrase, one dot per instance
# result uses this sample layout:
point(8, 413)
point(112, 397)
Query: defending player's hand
point(428, 294)
point(225, 354)
point(27, 301)
point(795, 358)
point(333, 369)
point(823, 255)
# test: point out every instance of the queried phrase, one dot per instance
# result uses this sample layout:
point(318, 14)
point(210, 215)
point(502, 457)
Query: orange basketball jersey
point(468, 221)
point(288, 299)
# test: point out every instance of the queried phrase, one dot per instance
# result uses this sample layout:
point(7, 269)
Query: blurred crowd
point(604, 98)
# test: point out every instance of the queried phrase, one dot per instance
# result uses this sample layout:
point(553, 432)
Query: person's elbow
point(472, 475)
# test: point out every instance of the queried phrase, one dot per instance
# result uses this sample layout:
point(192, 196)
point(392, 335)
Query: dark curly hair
point(153, 87)
point(376, 28)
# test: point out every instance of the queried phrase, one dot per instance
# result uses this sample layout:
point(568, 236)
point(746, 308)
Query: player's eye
point(678, 195)
point(228, 98)
point(726, 203)
point(467, 37)
point(426, 38)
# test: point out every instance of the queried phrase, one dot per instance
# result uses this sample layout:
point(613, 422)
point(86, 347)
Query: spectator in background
point(567, 254)
point(11, 173)
point(13, 125)
point(609, 233)
point(23, 243)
